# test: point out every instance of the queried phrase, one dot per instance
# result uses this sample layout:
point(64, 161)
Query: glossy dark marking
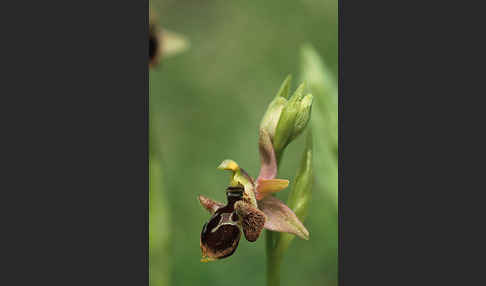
point(233, 194)
point(221, 239)
point(205, 228)
point(212, 223)
point(233, 249)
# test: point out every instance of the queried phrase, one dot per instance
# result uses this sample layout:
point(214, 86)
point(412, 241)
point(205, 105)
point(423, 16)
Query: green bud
point(286, 118)
point(285, 128)
point(285, 88)
point(303, 116)
point(272, 115)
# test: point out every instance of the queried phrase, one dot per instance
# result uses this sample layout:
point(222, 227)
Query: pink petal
point(268, 160)
point(267, 187)
point(281, 218)
point(252, 220)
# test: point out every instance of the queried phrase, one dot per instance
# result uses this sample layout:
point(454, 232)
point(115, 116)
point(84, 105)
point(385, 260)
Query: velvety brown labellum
point(252, 220)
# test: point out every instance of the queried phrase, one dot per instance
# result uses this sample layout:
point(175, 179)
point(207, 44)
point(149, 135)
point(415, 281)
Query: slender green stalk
point(273, 260)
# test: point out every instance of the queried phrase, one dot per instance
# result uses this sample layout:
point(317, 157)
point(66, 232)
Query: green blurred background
point(205, 106)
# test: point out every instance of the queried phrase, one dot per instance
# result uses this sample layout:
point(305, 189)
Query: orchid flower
point(250, 205)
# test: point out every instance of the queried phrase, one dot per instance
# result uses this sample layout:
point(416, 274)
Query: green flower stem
point(274, 260)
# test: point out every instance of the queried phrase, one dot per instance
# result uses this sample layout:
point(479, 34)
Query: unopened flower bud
point(272, 115)
point(302, 117)
point(286, 123)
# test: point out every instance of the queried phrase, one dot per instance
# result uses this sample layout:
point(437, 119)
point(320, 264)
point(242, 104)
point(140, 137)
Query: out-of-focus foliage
point(324, 118)
point(206, 105)
point(159, 210)
point(159, 234)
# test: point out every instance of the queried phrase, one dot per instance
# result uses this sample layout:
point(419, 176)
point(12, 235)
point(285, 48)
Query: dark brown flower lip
point(221, 243)
point(221, 234)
